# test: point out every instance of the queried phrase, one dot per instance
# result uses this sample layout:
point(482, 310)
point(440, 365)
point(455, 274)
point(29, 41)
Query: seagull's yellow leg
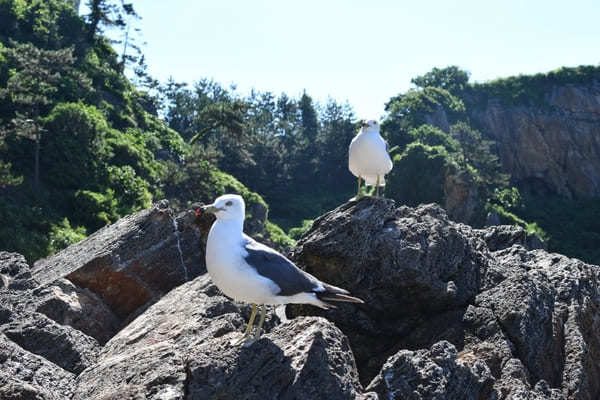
point(377, 187)
point(249, 327)
point(263, 312)
point(358, 188)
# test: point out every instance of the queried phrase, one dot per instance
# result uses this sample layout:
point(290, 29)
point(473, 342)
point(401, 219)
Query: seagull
point(368, 156)
point(250, 272)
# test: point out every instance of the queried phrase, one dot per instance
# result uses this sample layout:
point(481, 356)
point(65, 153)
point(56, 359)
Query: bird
point(368, 157)
point(251, 272)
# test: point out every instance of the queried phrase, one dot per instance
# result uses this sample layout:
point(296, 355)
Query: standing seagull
point(368, 156)
point(251, 272)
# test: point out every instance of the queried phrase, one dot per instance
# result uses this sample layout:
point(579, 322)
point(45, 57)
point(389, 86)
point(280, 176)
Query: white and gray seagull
point(250, 272)
point(368, 156)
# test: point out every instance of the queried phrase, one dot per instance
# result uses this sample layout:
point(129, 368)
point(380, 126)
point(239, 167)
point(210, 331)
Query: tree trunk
point(36, 177)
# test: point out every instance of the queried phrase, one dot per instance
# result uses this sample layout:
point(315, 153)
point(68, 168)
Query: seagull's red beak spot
point(198, 211)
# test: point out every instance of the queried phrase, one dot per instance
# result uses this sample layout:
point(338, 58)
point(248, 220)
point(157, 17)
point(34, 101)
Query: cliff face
point(451, 312)
point(553, 147)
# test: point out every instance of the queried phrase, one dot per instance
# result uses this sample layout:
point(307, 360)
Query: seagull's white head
point(369, 125)
point(228, 206)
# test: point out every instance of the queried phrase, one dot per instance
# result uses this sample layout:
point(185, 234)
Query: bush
point(62, 236)
point(297, 232)
point(418, 175)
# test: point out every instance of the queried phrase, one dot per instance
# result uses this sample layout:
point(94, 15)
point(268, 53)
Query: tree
point(33, 86)
point(477, 153)
point(453, 79)
point(107, 14)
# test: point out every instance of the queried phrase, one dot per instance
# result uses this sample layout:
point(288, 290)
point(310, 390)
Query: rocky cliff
point(451, 312)
point(553, 146)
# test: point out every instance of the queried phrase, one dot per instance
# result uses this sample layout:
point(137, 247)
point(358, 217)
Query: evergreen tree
point(38, 77)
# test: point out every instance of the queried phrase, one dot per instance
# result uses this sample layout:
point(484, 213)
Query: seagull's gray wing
point(276, 267)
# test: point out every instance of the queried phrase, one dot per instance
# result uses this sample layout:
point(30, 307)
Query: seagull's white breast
point(228, 269)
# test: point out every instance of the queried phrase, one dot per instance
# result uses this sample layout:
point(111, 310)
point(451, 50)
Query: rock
point(461, 199)
point(426, 279)
point(27, 376)
point(503, 236)
point(181, 346)
point(15, 272)
point(133, 262)
point(450, 312)
point(70, 305)
point(415, 269)
point(438, 373)
point(553, 146)
point(12, 264)
point(62, 345)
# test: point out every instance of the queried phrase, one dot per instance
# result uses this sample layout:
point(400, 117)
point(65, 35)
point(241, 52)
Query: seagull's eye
point(228, 203)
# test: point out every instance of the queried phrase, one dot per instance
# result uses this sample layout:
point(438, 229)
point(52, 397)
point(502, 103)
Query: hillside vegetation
point(82, 145)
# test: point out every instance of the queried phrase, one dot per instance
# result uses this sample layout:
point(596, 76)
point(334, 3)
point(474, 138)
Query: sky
point(363, 52)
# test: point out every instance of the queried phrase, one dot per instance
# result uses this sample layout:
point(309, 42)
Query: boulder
point(416, 271)
point(181, 347)
point(133, 262)
point(24, 375)
point(426, 279)
point(450, 312)
point(437, 373)
point(64, 346)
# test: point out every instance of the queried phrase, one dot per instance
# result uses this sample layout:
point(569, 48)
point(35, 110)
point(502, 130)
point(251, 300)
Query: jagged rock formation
point(554, 146)
point(451, 312)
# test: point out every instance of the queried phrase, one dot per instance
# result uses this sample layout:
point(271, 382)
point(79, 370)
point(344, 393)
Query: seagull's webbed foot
point(245, 337)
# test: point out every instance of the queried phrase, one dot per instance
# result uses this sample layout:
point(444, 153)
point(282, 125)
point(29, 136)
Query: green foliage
point(530, 89)
point(23, 229)
point(452, 78)
point(94, 209)
point(510, 218)
point(433, 136)
point(476, 152)
point(412, 109)
point(278, 236)
point(418, 175)
point(63, 235)
point(296, 232)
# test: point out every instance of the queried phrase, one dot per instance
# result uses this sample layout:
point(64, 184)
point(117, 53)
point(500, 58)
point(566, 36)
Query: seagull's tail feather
point(334, 293)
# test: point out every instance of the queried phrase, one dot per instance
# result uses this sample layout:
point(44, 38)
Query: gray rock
point(62, 345)
point(27, 376)
point(181, 347)
point(426, 279)
point(67, 304)
point(500, 237)
point(416, 270)
point(439, 373)
point(450, 311)
point(15, 272)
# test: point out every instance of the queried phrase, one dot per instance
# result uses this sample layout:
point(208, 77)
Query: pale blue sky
point(362, 51)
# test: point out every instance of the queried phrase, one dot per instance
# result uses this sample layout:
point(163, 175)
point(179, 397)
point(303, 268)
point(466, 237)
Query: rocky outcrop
point(181, 347)
point(552, 147)
point(450, 312)
point(426, 279)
